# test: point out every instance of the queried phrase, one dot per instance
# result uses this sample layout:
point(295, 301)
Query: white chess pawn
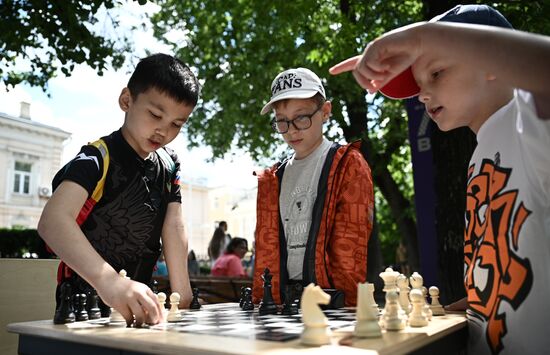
point(161, 298)
point(417, 318)
point(436, 307)
point(174, 315)
point(367, 317)
point(393, 319)
point(115, 315)
point(416, 280)
point(426, 308)
point(404, 289)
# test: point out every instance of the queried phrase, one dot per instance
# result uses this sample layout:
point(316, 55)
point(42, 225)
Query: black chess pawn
point(80, 313)
point(92, 305)
point(289, 306)
point(64, 314)
point(241, 299)
point(155, 287)
point(267, 305)
point(195, 304)
point(248, 305)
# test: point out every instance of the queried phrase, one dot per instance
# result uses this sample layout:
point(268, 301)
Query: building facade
point(30, 155)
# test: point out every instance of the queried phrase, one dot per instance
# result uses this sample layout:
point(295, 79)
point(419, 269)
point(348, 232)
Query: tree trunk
point(385, 182)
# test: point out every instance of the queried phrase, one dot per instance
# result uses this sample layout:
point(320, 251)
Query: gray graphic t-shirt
point(298, 193)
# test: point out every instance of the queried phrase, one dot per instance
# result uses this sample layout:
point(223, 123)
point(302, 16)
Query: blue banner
point(420, 132)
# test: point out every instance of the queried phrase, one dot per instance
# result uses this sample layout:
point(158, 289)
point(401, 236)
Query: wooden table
point(444, 334)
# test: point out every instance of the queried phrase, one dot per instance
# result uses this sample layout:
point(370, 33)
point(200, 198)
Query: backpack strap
point(98, 191)
point(64, 272)
point(166, 159)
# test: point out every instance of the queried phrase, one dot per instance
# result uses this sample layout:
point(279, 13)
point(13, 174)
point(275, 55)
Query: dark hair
point(216, 243)
point(222, 223)
point(234, 243)
point(168, 75)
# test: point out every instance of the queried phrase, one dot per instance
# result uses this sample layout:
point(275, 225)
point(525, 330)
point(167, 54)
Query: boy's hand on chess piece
point(134, 300)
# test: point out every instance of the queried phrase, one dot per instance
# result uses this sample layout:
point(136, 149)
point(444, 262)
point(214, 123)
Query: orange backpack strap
point(98, 191)
point(63, 271)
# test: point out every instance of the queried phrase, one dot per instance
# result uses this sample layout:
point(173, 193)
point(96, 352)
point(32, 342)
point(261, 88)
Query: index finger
point(150, 304)
point(345, 65)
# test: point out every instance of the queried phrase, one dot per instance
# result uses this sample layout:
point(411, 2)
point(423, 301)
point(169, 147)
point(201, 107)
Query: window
point(22, 178)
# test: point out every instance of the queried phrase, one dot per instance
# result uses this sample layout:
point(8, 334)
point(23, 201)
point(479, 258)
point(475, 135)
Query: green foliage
point(39, 39)
point(15, 243)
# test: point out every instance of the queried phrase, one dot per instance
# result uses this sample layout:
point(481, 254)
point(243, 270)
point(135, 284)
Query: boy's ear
point(327, 110)
point(125, 100)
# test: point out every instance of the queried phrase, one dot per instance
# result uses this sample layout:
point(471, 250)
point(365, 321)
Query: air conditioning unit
point(44, 192)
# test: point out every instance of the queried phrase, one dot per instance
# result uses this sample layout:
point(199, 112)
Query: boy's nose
point(424, 96)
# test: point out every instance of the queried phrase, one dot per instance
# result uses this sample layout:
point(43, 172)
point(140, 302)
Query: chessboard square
point(282, 325)
point(240, 333)
point(242, 326)
point(277, 336)
point(277, 319)
point(195, 327)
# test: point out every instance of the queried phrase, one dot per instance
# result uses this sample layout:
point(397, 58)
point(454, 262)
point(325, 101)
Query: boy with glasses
point(314, 211)
point(138, 177)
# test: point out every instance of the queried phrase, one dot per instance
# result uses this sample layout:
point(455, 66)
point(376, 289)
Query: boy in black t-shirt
point(141, 201)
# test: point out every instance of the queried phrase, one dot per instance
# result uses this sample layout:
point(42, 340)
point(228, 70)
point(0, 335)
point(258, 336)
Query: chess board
point(229, 320)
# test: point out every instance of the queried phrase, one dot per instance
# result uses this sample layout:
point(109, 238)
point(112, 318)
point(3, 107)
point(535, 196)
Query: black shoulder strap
point(308, 271)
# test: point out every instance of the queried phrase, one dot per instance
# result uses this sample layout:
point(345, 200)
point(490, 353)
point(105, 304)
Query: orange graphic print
point(494, 219)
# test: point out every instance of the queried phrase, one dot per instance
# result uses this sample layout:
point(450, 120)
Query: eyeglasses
point(153, 192)
point(301, 122)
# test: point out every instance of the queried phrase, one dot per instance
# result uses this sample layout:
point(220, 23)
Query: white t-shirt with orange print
point(507, 237)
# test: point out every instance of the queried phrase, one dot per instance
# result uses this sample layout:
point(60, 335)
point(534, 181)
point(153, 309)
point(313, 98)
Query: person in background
point(223, 226)
point(160, 268)
point(192, 263)
point(216, 245)
point(229, 264)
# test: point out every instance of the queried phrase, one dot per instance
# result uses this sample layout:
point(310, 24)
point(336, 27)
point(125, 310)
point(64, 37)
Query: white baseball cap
point(298, 83)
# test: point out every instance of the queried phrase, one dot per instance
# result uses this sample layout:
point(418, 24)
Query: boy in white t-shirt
point(314, 211)
point(495, 81)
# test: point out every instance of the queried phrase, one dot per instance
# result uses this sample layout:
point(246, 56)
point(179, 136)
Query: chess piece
point(155, 287)
point(417, 318)
point(436, 307)
point(390, 277)
point(92, 305)
point(80, 313)
point(241, 299)
point(426, 308)
point(115, 315)
point(393, 317)
point(64, 314)
point(316, 330)
point(267, 305)
point(161, 297)
point(195, 304)
point(247, 304)
point(404, 289)
point(289, 306)
point(367, 317)
point(370, 298)
point(390, 284)
point(174, 315)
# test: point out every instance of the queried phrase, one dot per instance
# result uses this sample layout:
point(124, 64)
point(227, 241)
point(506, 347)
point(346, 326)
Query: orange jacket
point(336, 252)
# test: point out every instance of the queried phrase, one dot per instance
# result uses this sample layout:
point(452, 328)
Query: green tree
point(239, 46)
point(40, 38)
